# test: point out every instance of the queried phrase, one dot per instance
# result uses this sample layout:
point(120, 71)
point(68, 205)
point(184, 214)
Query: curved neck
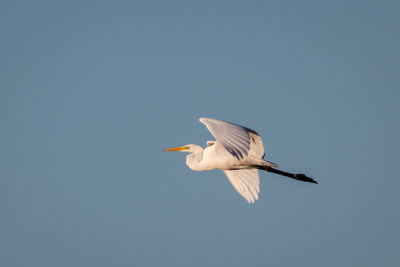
point(193, 160)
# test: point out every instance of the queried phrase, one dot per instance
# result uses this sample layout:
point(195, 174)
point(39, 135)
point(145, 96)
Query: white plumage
point(246, 182)
point(238, 151)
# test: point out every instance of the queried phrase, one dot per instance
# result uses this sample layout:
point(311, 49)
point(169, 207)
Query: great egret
point(239, 152)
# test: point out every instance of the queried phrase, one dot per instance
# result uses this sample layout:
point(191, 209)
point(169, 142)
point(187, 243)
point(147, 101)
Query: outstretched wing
point(236, 139)
point(246, 182)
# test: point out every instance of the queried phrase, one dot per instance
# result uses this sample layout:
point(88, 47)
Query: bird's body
point(238, 151)
point(217, 157)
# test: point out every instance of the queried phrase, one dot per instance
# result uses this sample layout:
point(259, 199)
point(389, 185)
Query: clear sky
point(92, 91)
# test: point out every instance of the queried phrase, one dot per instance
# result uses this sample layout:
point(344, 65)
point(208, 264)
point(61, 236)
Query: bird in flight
point(239, 152)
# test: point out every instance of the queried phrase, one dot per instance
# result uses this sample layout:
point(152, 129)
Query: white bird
point(239, 152)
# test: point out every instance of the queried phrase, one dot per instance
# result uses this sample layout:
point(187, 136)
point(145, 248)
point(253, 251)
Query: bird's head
point(193, 158)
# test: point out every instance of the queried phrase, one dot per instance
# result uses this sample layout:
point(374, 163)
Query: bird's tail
point(267, 164)
point(298, 176)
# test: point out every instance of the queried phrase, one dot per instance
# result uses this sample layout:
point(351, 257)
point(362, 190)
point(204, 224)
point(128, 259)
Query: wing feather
point(237, 140)
point(246, 182)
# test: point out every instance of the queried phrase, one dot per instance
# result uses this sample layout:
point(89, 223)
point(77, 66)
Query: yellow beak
point(179, 148)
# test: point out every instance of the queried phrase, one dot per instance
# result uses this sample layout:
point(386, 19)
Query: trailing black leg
point(298, 176)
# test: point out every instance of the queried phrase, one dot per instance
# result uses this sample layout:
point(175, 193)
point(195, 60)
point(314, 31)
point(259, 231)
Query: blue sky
point(92, 91)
